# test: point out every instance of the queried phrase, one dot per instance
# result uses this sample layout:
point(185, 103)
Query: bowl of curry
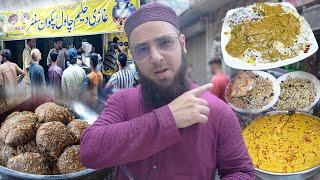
point(284, 145)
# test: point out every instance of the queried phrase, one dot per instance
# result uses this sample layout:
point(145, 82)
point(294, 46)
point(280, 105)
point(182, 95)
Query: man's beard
point(156, 96)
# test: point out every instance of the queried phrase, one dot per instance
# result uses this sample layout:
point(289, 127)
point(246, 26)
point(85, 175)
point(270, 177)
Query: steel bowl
point(6, 173)
point(267, 175)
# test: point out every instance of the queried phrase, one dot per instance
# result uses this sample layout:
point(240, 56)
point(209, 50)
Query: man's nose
point(155, 54)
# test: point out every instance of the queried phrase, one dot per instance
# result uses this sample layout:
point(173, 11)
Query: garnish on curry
point(284, 143)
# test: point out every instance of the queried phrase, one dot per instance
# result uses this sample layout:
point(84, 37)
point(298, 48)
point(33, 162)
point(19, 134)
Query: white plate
point(303, 75)
point(240, 64)
point(276, 91)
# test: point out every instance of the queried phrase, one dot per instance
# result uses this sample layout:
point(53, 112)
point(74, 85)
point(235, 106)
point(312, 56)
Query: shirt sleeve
point(1, 78)
point(42, 78)
point(2, 96)
point(113, 79)
point(234, 161)
point(26, 59)
point(113, 141)
point(135, 75)
point(64, 85)
point(85, 84)
point(216, 89)
point(49, 61)
point(18, 69)
point(50, 76)
point(84, 74)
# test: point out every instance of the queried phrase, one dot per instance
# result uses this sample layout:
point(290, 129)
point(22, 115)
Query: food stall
point(279, 130)
point(40, 137)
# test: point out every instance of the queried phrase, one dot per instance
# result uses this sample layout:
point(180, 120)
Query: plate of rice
point(299, 91)
point(252, 92)
point(265, 36)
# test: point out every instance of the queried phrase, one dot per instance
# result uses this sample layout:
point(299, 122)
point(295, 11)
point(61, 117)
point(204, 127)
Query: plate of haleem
point(265, 36)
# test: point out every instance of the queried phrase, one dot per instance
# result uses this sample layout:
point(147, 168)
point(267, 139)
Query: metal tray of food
point(267, 175)
point(80, 110)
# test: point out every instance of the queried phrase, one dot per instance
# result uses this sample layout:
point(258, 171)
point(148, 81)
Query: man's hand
point(108, 85)
point(189, 109)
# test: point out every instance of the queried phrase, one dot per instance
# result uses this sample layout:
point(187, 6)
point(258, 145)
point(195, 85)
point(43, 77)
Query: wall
point(197, 57)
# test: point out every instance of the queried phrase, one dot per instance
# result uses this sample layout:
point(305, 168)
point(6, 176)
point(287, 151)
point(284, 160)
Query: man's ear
point(182, 41)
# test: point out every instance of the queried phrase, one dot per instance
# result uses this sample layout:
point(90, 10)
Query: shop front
point(92, 22)
point(89, 27)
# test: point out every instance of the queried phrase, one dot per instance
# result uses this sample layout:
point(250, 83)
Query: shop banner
point(81, 18)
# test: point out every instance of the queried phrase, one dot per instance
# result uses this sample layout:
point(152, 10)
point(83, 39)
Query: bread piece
point(50, 111)
point(18, 128)
point(52, 138)
point(76, 128)
point(33, 163)
point(69, 160)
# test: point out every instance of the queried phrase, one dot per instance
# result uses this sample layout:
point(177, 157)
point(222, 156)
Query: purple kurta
point(150, 145)
point(55, 74)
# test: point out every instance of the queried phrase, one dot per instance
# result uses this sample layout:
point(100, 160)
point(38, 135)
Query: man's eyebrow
point(157, 37)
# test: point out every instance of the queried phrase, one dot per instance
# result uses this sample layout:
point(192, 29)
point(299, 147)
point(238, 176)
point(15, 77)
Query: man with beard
point(167, 127)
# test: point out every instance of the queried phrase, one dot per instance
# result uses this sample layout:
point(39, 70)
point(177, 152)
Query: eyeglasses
point(142, 50)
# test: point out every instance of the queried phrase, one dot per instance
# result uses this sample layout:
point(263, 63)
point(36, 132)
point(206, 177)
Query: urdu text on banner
point(74, 19)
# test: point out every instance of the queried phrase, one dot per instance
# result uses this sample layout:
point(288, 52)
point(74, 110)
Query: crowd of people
point(66, 81)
